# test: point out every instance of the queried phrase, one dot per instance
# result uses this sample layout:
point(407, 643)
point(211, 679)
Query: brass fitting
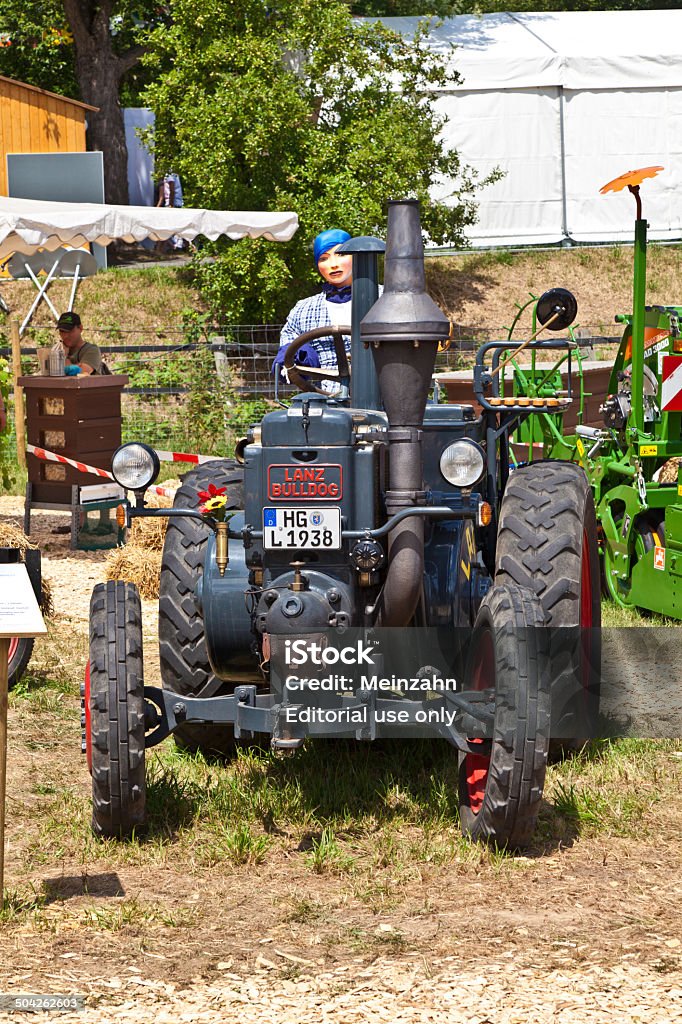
point(299, 582)
point(221, 554)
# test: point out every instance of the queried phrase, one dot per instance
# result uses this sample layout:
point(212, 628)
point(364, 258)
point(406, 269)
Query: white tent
point(563, 102)
point(27, 224)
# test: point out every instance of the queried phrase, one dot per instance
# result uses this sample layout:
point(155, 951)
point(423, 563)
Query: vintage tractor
point(367, 567)
point(633, 459)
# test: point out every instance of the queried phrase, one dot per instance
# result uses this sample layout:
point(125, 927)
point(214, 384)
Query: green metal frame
point(640, 519)
point(542, 382)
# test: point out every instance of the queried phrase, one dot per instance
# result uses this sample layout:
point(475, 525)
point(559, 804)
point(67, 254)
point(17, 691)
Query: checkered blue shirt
point(309, 314)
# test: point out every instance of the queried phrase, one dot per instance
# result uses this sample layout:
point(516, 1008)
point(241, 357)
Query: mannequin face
point(336, 267)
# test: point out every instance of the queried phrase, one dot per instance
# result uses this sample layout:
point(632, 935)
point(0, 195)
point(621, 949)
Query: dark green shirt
point(87, 353)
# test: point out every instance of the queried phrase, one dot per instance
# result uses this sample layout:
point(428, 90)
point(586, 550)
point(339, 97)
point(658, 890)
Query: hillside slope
point(478, 291)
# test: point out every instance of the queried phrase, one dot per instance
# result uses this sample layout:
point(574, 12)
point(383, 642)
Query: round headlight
point(462, 463)
point(135, 466)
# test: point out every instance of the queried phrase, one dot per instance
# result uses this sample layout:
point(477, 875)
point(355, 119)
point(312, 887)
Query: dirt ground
point(586, 931)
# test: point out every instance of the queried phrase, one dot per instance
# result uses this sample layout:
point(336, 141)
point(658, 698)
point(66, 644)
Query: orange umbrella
point(630, 179)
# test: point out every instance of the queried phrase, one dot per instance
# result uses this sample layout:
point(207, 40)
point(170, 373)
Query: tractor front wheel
point(500, 789)
point(116, 717)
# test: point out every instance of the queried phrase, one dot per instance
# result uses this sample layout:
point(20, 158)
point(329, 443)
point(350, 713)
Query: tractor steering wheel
point(297, 374)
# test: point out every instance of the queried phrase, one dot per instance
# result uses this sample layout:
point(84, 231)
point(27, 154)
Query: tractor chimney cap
point(405, 312)
point(362, 243)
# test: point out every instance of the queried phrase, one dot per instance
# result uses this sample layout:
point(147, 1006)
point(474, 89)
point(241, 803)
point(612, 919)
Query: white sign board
point(19, 611)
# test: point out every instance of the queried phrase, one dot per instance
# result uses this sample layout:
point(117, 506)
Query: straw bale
point(134, 565)
point(13, 537)
point(149, 534)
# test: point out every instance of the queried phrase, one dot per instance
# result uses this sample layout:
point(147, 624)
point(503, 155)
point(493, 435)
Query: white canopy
point(27, 224)
point(574, 49)
point(563, 102)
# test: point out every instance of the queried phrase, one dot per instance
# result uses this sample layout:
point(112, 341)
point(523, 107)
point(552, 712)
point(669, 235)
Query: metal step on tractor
point(366, 567)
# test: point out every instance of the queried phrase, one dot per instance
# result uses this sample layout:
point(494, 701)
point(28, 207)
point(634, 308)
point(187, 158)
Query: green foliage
point(38, 48)
point(169, 371)
point(8, 463)
point(297, 107)
point(209, 415)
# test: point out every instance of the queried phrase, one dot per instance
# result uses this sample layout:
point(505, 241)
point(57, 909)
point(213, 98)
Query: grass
point(611, 787)
point(128, 303)
point(363, 814)
point(236, 813)
point(17, 906)
point(616, 617)
point(304, 910)
point(135, 914)
point(327, 856)
point(29, 906)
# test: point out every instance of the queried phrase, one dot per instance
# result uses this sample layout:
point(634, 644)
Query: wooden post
point(4, 654)
point(19, 422)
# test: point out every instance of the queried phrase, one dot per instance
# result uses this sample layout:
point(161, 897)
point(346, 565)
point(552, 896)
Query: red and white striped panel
point(671, 390)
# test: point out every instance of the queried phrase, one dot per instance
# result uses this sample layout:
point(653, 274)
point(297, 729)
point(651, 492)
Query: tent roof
point(573, 49)
point(27, 224)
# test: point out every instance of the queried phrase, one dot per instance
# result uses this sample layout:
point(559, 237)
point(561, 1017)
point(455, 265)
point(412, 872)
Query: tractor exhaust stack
point(403, 329)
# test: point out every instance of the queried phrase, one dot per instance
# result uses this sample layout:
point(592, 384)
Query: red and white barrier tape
point(46, 456)
point(185, 457)
point(42, 453)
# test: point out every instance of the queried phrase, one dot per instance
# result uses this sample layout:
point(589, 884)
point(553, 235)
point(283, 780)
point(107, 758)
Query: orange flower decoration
point(630, 178)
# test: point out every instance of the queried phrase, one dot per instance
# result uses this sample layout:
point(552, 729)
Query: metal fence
point(196, 388)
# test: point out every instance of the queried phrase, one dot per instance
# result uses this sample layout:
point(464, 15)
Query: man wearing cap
point(79, 356)
point(331, 306)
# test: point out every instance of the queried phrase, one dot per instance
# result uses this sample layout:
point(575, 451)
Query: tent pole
point(562, 156)
point(42, 293)
point(41, 290)
point(75, 285)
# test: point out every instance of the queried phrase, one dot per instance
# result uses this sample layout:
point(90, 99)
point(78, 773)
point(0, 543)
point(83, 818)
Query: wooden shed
point(33, 120)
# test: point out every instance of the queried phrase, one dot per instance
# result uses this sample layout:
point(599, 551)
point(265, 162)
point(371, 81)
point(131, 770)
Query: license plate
point(298, 528)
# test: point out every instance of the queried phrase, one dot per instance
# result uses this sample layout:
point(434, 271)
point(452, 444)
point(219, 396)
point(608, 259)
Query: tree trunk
point(99, 70)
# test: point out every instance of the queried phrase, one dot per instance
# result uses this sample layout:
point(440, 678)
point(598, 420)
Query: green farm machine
point(633, 458)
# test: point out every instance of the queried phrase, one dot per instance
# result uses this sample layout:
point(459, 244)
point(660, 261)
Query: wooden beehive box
point(79, 417)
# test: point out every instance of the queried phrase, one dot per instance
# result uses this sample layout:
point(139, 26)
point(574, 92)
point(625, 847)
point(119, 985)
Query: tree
point(297, 106)
point(86, 49)
point(36, 46)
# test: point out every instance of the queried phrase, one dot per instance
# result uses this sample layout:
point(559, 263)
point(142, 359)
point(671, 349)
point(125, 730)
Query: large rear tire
point(185, 668)
point(500, 791)
point(116, 701)
point(547, 543)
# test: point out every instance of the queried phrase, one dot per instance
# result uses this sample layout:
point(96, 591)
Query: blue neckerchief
point(334, 294)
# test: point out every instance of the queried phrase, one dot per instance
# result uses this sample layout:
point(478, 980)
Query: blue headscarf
point(326, 240)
